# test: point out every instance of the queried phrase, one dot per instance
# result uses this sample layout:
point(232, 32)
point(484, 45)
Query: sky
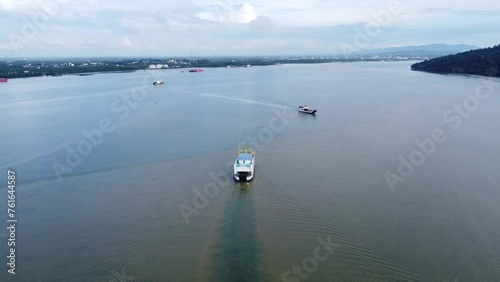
point(58, 28)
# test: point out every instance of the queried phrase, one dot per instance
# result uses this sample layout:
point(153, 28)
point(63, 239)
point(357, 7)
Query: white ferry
point(244, 166)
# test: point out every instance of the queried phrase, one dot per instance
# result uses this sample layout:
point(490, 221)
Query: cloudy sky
point(49, 28)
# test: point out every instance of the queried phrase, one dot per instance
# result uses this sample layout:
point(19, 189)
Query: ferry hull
point(243, 177)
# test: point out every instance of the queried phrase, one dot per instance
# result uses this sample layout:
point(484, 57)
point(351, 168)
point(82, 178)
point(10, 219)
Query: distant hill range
point(431, 50)
point(484, 62)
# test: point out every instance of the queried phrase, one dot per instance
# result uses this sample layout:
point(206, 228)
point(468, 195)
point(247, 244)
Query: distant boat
point(244, 166)
point(158, 82)
point(3, 80)
point(307, 110)
point(196, 70)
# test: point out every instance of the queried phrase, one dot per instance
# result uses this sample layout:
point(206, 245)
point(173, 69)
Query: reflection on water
point(237, 255)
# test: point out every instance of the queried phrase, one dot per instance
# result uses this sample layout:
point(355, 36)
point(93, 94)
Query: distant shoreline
point(62, 67)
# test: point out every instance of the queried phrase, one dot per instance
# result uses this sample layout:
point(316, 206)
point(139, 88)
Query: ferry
point(307, 110)
point(3, 80)
point(196, 70)
point(244, 166)
point(158, 82)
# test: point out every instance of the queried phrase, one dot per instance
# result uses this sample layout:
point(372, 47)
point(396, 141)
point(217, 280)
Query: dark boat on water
point(305, 109)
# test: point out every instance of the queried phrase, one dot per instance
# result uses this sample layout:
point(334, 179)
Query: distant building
point(158, 66)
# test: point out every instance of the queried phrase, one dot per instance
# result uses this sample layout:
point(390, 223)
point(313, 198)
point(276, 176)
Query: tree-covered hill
point(484, 62)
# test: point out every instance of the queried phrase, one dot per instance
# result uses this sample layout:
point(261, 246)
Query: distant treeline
point(484, 62)
point(19, 72)
point(26, 68)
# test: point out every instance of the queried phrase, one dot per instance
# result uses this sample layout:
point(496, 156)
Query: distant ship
point(196, 70)
point(3, 80)
point(244, 166)
point(158, 82)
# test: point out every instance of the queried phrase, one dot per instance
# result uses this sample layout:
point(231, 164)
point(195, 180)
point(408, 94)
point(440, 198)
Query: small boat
point(3, 80)
point(196, 70)
point(158, 82)
point(307, 110)
point(244, 166)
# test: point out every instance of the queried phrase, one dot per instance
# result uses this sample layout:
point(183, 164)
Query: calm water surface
point(115, 214)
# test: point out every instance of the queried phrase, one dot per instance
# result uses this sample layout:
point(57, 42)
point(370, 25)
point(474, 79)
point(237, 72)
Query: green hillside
point(484, 62)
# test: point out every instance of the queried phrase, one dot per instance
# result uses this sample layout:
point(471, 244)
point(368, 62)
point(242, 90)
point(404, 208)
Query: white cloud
point(246, 14)
point(125, 42)
point(228, 12)
point(7, 5)
point(83, 27)
point(140, 24)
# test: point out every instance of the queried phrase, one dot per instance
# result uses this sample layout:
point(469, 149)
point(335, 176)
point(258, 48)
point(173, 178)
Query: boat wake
point(237, 99)
point(11, 165)
point(247, 101)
